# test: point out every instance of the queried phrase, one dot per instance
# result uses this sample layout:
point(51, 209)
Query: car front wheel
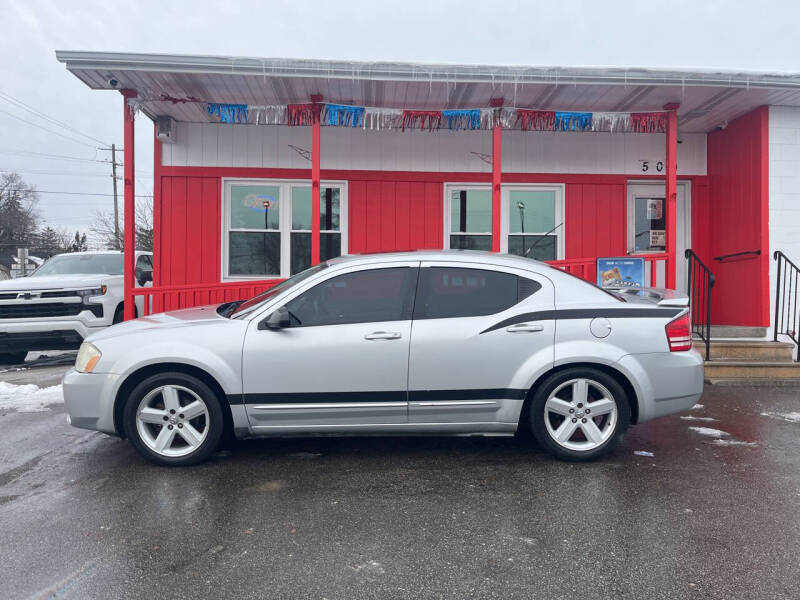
point(579, 414)
point(173, 419)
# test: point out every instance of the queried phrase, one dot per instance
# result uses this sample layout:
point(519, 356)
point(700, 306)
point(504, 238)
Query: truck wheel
point(12, 358)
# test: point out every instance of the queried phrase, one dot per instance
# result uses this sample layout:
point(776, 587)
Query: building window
point(267, 227)
point(470, 212)
point(534, 223)
point(531, 222)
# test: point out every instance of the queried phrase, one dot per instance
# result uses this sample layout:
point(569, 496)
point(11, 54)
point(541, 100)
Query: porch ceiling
point(707, 97)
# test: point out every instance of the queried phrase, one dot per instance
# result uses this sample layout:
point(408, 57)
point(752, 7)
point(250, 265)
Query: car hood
point(188, 317)
point(50, 282)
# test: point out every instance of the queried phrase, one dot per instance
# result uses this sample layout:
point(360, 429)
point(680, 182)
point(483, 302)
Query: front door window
point(649, 224)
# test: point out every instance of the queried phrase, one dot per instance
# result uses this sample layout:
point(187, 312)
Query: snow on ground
point(715, 433)
point(698, 407)
point(792, 417)
point(733, 443)
point(691, 418)
point(29, 398)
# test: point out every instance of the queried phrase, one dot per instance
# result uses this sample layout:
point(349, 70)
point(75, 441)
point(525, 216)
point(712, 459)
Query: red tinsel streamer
point(655, 122)
point(301, 114)
point(538, 120)
point(433, 117)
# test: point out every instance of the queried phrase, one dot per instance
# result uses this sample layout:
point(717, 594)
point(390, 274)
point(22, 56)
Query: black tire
point(12, 358)
point(215, 420)
point(119, 315)
point(593, 376)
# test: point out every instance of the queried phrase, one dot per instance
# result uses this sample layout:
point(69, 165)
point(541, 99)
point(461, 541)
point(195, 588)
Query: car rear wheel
point(173, 419)
point(12, 358)
point(579, 414)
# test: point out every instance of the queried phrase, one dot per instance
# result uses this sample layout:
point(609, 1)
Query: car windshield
point(248, 306)
point(81, 264)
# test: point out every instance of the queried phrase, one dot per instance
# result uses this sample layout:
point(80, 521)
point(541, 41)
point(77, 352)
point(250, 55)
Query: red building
point(562, 164)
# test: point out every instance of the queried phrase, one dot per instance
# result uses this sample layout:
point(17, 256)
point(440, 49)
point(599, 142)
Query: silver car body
point(466, 375)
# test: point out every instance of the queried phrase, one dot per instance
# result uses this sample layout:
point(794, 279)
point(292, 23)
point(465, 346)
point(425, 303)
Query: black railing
point(747, 253)
point(700, 282)
point(786, 313)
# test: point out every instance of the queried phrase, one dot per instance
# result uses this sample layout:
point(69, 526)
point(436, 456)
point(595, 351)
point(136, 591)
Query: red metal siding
point(737, 220)
point(394, 215)
point(595, 220)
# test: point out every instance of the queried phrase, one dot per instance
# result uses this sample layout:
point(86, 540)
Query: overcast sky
point(710, 33)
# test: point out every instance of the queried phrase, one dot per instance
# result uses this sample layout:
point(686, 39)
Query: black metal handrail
point(786, 310)
point(735, 254)
point(700, 282)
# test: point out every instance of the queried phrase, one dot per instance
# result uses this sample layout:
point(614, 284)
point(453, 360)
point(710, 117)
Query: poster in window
point(658, 238)
point(616, 273)
point(655, 209)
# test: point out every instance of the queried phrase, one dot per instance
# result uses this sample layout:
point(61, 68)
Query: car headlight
point(86, 294)
point(88, 356)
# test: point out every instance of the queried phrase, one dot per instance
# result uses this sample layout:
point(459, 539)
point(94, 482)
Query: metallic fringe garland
point(301, 114)
point(572, 121)
point(269, 115)
point(383, 118)
point(229, 113)
point(537, 120)
point(432, 117)
point(652, 122)
point(462, 119)
point(610, 121)
point(343, 116)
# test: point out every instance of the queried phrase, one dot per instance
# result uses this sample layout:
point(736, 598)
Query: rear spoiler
point(659, 296)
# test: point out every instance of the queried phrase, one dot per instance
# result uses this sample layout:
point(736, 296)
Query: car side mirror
point(145, 276)
point(279, 319)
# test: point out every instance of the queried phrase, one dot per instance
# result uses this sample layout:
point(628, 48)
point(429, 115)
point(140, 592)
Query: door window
point(649, 226)
point(361, 297)
point(532, 230)
point(448, 292)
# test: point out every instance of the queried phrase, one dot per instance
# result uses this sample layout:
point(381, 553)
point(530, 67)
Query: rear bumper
point(89, 400)
point(665, 382)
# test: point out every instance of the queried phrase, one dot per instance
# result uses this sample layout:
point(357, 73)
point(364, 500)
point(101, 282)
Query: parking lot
point(711, 514)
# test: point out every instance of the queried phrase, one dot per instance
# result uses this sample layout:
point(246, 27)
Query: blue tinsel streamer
point(573, 121)
point(229, 113)
point(463, 119)
point(340, 115)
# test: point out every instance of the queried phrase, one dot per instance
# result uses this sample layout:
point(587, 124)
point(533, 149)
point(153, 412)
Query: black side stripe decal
point(378, 396)
point(588, 313)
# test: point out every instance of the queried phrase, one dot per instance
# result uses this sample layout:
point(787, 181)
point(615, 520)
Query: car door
point(342, 364)
point(480, 333)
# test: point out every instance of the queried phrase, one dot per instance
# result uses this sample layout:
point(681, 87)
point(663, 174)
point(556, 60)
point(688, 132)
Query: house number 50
point(646, 166)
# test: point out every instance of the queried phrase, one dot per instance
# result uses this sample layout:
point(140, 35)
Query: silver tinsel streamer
point(268, 115)
point(507, 117)
point(611, 121)
point(382, 118)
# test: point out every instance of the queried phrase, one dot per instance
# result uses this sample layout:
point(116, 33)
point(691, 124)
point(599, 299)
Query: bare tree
point(103, 227)
point(19, 219)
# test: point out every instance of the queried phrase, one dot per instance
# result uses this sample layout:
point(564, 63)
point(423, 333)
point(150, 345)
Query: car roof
point(467, 256)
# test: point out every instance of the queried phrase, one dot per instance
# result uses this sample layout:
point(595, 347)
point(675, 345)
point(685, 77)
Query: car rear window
point(450, 292)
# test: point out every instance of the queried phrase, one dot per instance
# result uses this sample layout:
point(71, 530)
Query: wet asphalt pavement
point(82, 516)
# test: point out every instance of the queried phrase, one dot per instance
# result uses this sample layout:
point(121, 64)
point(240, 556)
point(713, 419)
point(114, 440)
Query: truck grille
point(48, 309)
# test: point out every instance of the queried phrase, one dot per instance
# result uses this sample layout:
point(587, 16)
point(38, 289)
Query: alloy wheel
point(172, 420)
point(580, 414)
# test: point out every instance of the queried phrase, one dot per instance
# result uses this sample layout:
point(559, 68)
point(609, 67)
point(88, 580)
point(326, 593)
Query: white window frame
point(505, 189)
point(284, 221)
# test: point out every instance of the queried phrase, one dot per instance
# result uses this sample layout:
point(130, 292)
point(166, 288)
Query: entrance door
point(647, 214)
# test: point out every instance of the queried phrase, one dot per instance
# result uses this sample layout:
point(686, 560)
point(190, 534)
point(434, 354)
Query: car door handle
point(525, 328)
point(383, 335)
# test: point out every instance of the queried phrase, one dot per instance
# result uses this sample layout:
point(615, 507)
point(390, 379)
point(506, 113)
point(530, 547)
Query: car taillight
point(679, 334)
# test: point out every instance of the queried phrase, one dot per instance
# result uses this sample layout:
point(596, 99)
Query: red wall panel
point(394, 215)
point(737, 220)
point(595, 220)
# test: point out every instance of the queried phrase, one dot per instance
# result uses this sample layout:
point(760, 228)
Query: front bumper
point(89, 400)
point(665, 382)
point(49, 334)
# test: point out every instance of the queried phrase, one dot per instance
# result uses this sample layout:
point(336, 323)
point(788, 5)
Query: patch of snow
point(733, 443)
point(692, 418)
point(698, 407)
point(29, 398)
point(792, 417)
point(715, 433)
point(643, 453)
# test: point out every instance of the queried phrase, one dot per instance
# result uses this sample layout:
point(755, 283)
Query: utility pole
point(116, 203)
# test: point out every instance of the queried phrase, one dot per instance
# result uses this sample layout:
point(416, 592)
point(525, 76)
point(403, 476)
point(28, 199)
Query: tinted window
point(82, 264)
point(360, 297)
point(446, 292)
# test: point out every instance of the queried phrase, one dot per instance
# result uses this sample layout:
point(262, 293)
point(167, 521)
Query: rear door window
point(369, 296)
point(450, 292)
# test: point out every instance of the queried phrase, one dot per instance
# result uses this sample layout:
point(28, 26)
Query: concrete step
point(750, 350)
point(737, 331)
point(748, 371)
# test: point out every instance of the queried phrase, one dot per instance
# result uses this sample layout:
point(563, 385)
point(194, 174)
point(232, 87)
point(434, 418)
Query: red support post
point(497, 158)
point(671, 177)
point(129, 232)
point(315, 177)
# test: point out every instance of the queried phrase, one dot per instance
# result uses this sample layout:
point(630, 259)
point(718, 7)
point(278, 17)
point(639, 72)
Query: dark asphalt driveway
point(82, 516)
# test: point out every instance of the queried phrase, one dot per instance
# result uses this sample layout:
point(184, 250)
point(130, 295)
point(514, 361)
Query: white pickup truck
point(64, 300)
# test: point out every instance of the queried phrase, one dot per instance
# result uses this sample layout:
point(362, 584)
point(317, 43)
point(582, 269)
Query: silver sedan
point(407, 343)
